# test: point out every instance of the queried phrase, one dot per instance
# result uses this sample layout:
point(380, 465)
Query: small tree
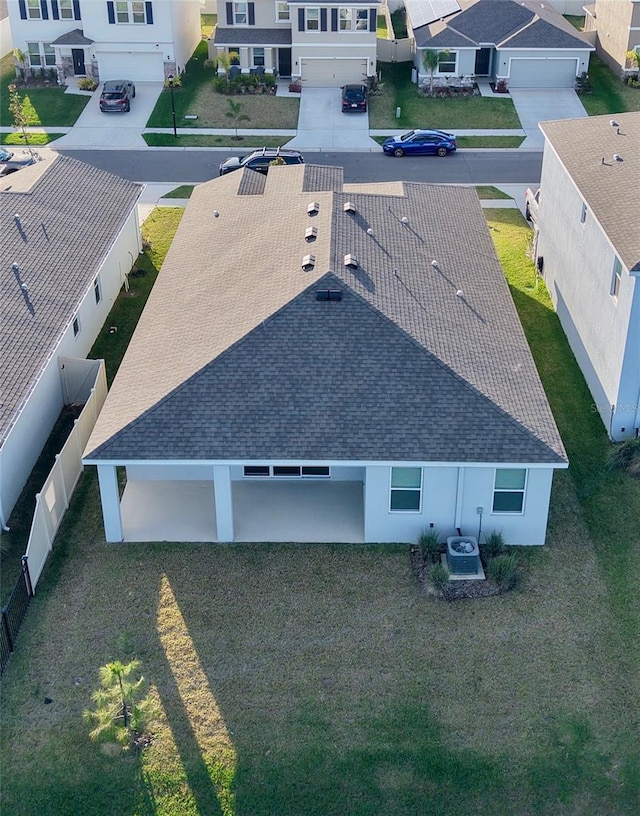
point(225, 60)
point(431, 60)
point(17, 108)
point(236, 113)
point(633, 58)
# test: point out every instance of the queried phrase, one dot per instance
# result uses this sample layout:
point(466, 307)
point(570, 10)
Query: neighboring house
point(106, 39)
point(617, 27)
point(6, 41)
point(324, 44)
point(70, 234)
point(356, 371)
point(527, 44)
point(588, 248)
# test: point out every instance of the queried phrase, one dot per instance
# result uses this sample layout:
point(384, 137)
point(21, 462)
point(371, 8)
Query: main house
point(354, 372)
point(617, 27)
point(70, 234)
point(588, 248)
point(526, 44)
point(323, 44)
point(106, 39)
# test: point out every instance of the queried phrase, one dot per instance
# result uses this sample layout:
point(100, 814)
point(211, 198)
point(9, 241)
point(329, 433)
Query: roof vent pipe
point(313, 208)
point(349, 207)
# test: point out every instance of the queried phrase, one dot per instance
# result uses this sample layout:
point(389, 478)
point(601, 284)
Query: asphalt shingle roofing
point(610, 187)
point(68, 217)
point(252, 36)
point(247, 363)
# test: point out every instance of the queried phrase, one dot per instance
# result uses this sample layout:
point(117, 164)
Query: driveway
point(323, 126)
point(113, 130)
point(544, 106)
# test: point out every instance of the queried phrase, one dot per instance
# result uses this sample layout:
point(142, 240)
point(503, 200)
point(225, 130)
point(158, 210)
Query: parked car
point(117, 95)
point(354, 98)
point(421, 142)
point(10, 163)
point(532, 204)
point(260, 160)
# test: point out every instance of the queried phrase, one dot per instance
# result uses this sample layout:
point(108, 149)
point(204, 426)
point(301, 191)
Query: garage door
point(331, 73)
point(137, 67)
point(539, 73)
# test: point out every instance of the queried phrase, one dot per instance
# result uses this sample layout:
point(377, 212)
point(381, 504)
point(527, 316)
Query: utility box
point(463, 555)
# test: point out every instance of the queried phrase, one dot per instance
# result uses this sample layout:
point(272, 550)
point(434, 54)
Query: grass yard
point(184, 191)
point(45, 106)
point(419, 112)
point(609, 94)
point(381, 27)
point(197, 97)
point(488, 192)
point(35, 139)
point(208, 23)
point(197, 140)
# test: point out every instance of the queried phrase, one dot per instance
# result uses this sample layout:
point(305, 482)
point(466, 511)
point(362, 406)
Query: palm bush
point(503, 571)
point(429, 543)
point(494, 545)
point(625, 456)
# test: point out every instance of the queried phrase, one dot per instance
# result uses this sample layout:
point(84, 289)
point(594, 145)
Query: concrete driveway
point(323, 126)
point(113, 130)
point(544, 106)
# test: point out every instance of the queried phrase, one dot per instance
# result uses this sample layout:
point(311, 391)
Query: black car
point(354, 98)
point(260, 160)
point(10, 163)
point(117, 95)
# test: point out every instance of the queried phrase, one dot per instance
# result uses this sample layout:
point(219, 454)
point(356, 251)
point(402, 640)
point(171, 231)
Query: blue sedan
point(420, 142)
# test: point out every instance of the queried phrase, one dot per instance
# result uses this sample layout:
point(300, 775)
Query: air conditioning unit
point(463, 555)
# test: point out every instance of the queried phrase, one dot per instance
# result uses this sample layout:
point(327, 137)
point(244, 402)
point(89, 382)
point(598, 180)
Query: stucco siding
point(6, 39)
point(613, 21)
point(186, 32)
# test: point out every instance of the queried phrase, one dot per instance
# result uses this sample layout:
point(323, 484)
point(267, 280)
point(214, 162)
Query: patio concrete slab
point(323, 126)
point(168, 511)
point(534, 106)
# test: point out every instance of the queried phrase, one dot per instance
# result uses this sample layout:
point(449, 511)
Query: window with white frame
point(406, 489)
point(616, 277)
point(130, 11)
point(312, 19)
point(258, 57)
point(362, 19)
point(34, 12)
point(345, 17)
point(508, 490)
point(282, 12)
point(446, 62)
point(76, 326)
point(41, 54)
point(65, 8)
point(96, 290)
point(240, 13)
point(35, 57)
point(583, 214)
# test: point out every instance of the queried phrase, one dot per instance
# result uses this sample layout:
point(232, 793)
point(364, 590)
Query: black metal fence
point(13, 614)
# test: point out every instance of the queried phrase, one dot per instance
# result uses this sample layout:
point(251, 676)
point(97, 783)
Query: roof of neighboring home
point(587, 149)
point(58, 220)
point(252, 36)
point(503, 23)
point(414, 362)
point(4, 12)
point(75, 37)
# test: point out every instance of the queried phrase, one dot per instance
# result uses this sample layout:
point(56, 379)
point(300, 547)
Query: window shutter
point(229, 7)
point(111, 12)
point(323, 19)
point(55, 13)
point(334, 19)
point(23, 9)
point(300, 19)
point(252, 13)
point(148, 8)
point(373, 20)
point(45, 9)
point(76, 10)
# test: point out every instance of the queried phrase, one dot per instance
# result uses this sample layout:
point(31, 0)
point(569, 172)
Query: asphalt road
point(192, 166)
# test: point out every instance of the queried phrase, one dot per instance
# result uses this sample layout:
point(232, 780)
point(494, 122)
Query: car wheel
point(398, 152)
point(134, 92)
point(128, 108)
point(527, 213)
point(441, 151)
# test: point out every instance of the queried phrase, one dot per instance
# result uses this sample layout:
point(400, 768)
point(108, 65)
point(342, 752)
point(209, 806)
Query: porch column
point(224, 502)
point(110, 499)
point(268, 60)
point(244, 58)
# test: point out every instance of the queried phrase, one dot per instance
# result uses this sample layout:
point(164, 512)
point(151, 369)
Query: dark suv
point(354, 98)
point(117, 95)
point(260, 160)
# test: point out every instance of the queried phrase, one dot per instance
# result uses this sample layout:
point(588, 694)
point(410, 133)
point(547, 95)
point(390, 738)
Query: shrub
point(439, 576)
point(87, 84)
point(583, 84)
point(429, 543)
point(494, 545)
point(625, 456)
point(503, 571)
point(501, 86)
point(177, 82)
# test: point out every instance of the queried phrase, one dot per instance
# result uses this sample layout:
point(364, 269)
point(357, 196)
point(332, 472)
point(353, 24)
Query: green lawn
point(184, 191)
point(197, 97)
point(417, 111)
point(35, 139)
point(486, 191)
point(381, 27)
point(208, 22)
point(609, 94)
point(196, 140)
point(45, 106)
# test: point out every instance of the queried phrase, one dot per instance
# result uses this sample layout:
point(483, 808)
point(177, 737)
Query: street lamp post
point(170, 79)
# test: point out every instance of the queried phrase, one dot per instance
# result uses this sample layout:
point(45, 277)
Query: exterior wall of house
point(568, 6)
point(26, 439)
point(614, 20)
point(6, 38)
point(465, 66)
point(186, 32)
point(578, 267)
point(264, 15)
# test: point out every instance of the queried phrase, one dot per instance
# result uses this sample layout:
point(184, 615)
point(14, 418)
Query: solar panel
point(423, 12)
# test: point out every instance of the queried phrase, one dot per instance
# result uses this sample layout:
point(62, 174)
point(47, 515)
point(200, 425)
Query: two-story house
point(588, 249)
point(131, 39)
point(617, 27)
point(324, 44)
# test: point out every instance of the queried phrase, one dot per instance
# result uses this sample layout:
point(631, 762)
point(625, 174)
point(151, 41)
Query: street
point(192, 166)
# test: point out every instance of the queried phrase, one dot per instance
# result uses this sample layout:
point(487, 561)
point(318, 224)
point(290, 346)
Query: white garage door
point(543, 73)
point(136, 67)
point(331, 73)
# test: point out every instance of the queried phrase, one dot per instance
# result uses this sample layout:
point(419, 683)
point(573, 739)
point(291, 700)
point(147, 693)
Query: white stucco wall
point(186, 31)
point(6, 39)
point(465, 64)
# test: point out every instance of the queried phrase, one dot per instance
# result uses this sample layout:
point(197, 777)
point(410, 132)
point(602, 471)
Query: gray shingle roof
point(248, 364)
point(320, 178)
point(252, 183)
point(75, 37)
point(610, 189)
point(252, 36)
point(69, 218)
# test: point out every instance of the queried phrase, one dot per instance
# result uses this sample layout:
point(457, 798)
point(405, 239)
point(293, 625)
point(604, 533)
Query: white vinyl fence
point(85, 381)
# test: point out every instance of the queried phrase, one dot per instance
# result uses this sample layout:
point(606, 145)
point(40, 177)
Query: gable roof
point(586, 148)
point(74, 37)
point(502, 23)
point(58, 253)
point(248, 364)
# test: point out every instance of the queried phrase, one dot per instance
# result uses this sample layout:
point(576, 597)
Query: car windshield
point(408, 135)
point(112, 95)
point(247, 158)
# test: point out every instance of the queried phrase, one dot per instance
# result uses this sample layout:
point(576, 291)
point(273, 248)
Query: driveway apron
point(116, 130)
point(544, 106)
point(323, 126)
